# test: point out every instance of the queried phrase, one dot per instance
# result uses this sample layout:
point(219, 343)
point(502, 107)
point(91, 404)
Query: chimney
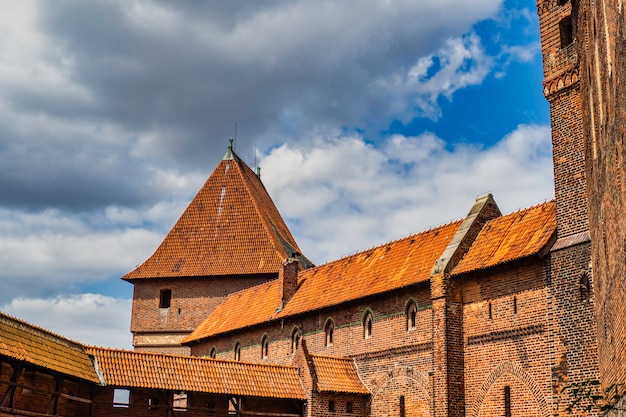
point(288, 278)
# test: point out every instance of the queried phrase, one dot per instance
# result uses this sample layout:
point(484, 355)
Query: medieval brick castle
point(491, 315)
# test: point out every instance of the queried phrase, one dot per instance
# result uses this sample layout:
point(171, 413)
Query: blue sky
point(369, 123)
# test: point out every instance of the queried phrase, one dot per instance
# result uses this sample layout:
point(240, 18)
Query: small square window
point(121, 398)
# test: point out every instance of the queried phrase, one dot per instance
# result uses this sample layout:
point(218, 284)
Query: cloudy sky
point(371, 120)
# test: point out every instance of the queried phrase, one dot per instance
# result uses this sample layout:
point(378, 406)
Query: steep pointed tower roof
point(231, 227)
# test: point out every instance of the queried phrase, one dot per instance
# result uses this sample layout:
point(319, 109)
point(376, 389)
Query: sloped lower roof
point(230, 227)
point(337, 375)
point(31, 344)
point(384, 268)
point(517, 235)
point(185, 373)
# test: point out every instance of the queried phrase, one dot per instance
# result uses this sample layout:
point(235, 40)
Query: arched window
point(237, 351)
point(213, 352)
point(585, 286)
point(295, 339)
point(329, 331)
point(265, 347)
point(367, 325)
point(411, 315)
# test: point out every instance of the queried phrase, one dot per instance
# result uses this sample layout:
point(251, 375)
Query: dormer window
point(165, 298)
point(329, 331)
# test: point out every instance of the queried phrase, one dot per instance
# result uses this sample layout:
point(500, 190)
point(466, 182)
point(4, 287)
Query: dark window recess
point(330, 333)
point(165, 299)
point(331, 406)
point(348, 407)
point(507, 401)
point(563, 2)
point(153, 403)
point(585, 287)
point(490, 312)
point(402, 407)
point(514, 305)
point(210, 405)
point(567, 31)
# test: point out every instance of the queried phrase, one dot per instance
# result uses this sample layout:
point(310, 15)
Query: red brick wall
point(192, 300)
point(602, 41)
point(507, 341)
point(574, 349)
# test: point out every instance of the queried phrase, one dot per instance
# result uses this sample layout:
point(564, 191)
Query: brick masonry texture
point(602, 44)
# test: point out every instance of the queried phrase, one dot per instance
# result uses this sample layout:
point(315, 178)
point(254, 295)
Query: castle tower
point(573, 354)
point(601, 38)
point(230, 237)
point(562, 90)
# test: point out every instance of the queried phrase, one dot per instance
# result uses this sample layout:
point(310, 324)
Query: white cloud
point(86, 318)
point(344, 195)
point(52, 252)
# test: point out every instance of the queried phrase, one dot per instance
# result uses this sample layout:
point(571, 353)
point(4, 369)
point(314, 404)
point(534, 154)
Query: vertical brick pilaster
point(448, 353)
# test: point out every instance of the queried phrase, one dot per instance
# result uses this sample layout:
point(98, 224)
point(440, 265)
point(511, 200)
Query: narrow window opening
point(490, 311)
point(331, 406)
point(566, 31)
point(265, 347)
point(153, 403)
point(585, 287)
point(165, 298)
point(213, 352)
point(367, 326)
point(349, 407)
point(295, 340)
point(514, 305)
point(121, 398)
point(237, 351)
point(402, 407)
point(411, 316)
point(507, 401)
point(330, 333)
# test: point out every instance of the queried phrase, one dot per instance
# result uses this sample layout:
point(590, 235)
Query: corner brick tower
point(573, 353)
point(230, 237)
point(602, 47)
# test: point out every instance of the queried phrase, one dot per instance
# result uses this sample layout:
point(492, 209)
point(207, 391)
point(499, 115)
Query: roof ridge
point(272, 233)
point(390, 242)
point(41, 329)
point(191, 358)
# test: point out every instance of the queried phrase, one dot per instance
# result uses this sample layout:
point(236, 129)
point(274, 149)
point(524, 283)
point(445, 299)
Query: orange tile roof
point(31, 344)
point(230, 227)
point(185, 373)
point(384, 268)
point(337, 375)
point(523, 233)
point(390, 266)
point(244, 308)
